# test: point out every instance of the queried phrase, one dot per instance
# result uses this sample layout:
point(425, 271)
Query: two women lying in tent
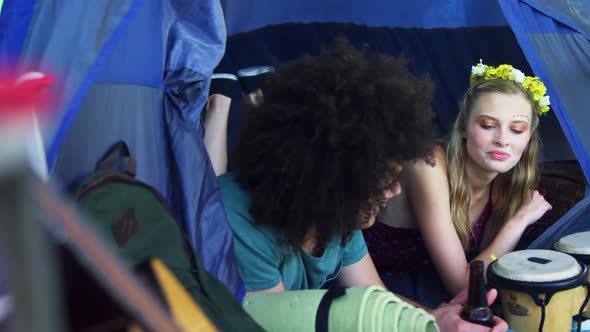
point(475, 200)
point(316, 162)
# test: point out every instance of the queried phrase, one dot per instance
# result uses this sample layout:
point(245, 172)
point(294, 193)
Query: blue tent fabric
point(138, 71)
point(129, 62)
point(571, 13)
point(439, 52)
point(125, 102)
point(83, 146)
point(14, 25)
point(248, 15)
point(554, 36)
point(574, 221)
point(76, 25)
point(193, 50)
point(559, 55)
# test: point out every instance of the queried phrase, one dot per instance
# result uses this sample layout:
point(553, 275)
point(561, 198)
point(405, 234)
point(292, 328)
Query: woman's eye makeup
point(486, 123)
point(519, 128)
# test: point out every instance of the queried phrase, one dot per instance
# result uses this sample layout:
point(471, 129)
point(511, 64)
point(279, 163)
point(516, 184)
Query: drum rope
point(542, 315)
point(580, 313)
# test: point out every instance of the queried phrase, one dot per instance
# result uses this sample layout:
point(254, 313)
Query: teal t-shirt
point(263, 260)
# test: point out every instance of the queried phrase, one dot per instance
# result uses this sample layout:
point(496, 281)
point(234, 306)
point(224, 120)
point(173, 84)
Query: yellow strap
point(188, 314)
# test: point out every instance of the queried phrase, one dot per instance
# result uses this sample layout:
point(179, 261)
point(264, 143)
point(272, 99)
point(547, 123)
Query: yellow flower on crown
point(506, 72)
point(503, 71)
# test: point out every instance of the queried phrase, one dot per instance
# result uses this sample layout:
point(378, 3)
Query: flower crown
point(507, 72)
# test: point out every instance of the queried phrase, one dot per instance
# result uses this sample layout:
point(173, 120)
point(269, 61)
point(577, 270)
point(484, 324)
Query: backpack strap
point(118, 156)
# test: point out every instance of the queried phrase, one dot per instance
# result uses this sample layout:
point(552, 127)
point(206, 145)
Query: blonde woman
point(478, 196)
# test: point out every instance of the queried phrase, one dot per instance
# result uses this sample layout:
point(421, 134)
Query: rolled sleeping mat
point(367, 308)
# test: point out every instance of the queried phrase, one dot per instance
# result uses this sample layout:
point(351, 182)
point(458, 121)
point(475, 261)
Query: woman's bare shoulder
point(436, 162)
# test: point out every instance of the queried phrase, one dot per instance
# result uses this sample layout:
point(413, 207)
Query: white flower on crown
point(517, 76)
point(478, 70)
point(544, 101)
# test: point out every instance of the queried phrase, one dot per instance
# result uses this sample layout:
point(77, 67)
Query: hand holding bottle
point(448, 315)
point(477, 310)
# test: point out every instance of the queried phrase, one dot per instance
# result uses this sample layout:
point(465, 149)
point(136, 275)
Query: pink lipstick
point(498, 155)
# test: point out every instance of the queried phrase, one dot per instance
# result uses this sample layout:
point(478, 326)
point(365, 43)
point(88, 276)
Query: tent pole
point(31, 261)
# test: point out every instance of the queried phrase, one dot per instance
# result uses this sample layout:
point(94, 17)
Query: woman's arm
point(280, 287)
point(427, 189)
point(448, 318)
point(364, 273)
point(361, 273)
point(510, 233)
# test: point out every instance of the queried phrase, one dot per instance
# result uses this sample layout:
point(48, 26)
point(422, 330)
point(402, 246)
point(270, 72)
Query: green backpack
point(136, 221)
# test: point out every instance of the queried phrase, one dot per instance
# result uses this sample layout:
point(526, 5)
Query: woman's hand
point(448, 315)
point(534, 209)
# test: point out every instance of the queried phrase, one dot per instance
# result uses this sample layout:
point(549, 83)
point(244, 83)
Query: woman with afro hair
point(317, 161)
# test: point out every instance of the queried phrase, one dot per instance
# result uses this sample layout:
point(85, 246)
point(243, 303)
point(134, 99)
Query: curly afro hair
point(317, 154)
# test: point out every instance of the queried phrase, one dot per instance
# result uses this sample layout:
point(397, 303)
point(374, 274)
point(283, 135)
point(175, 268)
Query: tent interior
point(138, 71)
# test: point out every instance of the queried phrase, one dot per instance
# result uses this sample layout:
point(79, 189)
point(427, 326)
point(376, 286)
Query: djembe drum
point(578, 246)
point(539, 289)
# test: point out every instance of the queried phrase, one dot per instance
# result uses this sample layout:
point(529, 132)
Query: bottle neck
point(477, 290)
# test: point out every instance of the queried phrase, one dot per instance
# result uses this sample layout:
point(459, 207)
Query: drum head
point(577, 245)
point(537, 272)
point(536, 266)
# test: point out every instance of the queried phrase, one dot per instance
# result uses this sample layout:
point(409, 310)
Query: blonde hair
point(511, 189)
